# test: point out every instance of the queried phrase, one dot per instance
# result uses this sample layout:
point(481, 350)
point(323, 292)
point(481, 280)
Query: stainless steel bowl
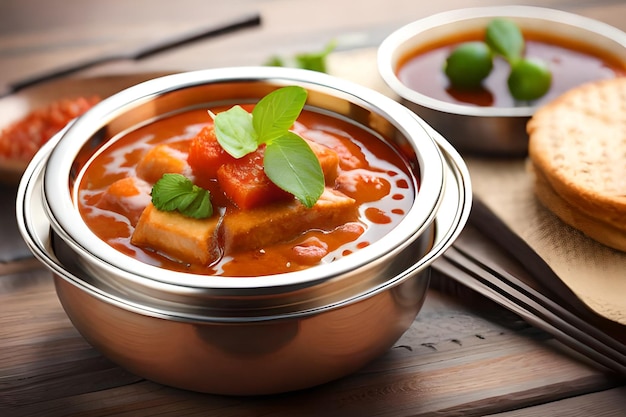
point(256, 335)
point(486, 130)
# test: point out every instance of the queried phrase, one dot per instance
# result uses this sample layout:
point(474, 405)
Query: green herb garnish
point(235, 131)
point(505, 38)
point(314, 61)
point(288, 161)
point(175, 192)
point(469, 63)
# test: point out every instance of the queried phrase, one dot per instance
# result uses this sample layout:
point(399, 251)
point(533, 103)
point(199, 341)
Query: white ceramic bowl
point(499, 131)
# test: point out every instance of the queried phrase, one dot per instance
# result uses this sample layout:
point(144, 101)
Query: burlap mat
point(595, 273)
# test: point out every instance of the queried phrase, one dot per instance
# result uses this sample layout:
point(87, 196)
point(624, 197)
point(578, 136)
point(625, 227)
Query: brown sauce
point(571, 64)
point(379, 208)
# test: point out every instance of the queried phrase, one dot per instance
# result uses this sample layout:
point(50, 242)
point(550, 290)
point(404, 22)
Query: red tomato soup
point(571, 64)
point(369, 189)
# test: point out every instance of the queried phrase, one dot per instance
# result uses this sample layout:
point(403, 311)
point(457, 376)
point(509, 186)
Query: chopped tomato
point(22, 139)
point(206, 155)
point(245, 184)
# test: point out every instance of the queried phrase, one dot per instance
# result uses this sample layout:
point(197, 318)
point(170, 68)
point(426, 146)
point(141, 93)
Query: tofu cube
point(281, 222)
point(177, 236)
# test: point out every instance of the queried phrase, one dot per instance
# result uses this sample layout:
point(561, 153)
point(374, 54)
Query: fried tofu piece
point(177, 236)
point(280, 222)
point(204, 241)
point(162, 159)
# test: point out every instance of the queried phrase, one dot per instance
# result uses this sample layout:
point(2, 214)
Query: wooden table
point(463, 355)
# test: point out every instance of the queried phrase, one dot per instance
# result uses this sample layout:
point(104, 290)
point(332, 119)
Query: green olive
point(529, 80)
point(468, 65)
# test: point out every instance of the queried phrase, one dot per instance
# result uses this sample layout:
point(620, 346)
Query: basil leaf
point(275, 61)
point(185, 200)
point(200, 207)
point(235, 131)
point(168, 190)
point(315, 61)
point(275, 113)
point(290, 163)
point(505, 38)
point(177, 192)
point(311, 62)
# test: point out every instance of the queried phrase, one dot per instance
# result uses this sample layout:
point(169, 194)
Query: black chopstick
point(162, 45)
point(561, 324)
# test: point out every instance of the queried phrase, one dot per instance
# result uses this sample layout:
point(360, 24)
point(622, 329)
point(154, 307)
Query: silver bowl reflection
point(242, 336)
point(486, 130)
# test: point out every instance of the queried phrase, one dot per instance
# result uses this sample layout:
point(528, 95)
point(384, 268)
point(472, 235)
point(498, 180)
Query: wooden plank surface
point(598, 404)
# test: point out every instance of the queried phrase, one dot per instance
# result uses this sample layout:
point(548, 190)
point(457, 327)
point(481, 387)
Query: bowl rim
point(59, 198)
point(387, 63)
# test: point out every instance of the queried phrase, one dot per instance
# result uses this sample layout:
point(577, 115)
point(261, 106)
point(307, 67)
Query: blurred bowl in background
point(20, 107)
point(487, 125)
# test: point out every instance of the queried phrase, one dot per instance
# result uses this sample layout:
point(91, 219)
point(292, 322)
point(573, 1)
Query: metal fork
point(467, 263)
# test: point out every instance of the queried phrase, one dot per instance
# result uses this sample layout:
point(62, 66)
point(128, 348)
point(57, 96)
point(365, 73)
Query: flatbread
point(614, 237)
point(577, 147)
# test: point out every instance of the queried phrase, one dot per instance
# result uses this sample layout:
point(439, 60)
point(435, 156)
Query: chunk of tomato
point(245, 184)
point(206, 155)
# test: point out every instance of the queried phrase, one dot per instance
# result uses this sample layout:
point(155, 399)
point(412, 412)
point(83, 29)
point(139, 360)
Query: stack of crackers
point(577, 154)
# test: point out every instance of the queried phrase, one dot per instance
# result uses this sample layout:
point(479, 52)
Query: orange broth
point(570, 62)
point(381, 204)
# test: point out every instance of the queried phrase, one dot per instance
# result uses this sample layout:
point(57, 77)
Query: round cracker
point(598, 230)
point(578, 143)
